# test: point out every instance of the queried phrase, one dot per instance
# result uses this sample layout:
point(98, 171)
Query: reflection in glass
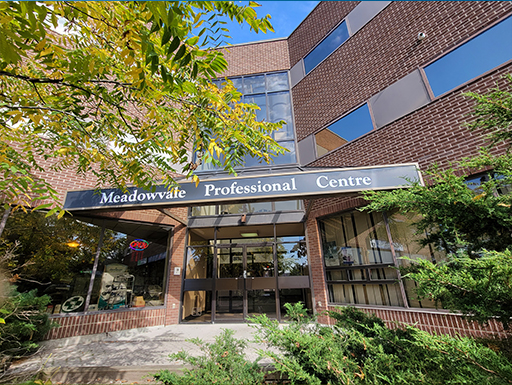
point(254, 84)
point(230, 262)
point(198, 211)
point(344, 130)
point(292, 259)
point(261, 302)
point(197, 306)
point(245, 208)
point(199, 263)
point(260, 261)
point(288, 205)
point(355, 238)
point(279, 106)
point(287, 157)
point(260, 101)
point(133, 275)
point(336, 38)
point(479, 55)
point(277, 82)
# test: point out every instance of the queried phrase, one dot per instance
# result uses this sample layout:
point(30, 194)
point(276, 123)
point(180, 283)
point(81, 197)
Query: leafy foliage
point(479, 287)
point(43, 257)
point(223, 363)
point(124, 93)
point(25, 322)
point(359, 349)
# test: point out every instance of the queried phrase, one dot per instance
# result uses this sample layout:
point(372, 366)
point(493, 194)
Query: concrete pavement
point(125, 356)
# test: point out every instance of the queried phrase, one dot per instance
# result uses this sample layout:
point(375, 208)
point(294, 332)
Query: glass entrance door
point(245, 282)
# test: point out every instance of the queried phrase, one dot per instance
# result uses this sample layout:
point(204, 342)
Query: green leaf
point(174, 44)
point(180, 53)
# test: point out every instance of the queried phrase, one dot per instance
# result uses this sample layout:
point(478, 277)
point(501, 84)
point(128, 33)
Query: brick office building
point(361, 86)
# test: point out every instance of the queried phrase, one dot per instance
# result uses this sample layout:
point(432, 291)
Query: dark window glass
point(482, 53)
point(279, 105)
point(277, 82)
point(326, 47)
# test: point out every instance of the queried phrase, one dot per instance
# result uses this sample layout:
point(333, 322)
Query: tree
point(124, 93)
point(470, 221)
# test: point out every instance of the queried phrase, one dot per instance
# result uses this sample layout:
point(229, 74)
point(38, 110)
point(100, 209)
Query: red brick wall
point(245, 59)
point(104, 322)
point(319, 23)
point(382, 52)
point(433, 134)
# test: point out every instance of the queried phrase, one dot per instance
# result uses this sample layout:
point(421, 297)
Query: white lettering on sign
point(142, 197)
point(324, 181)
point(211, 190)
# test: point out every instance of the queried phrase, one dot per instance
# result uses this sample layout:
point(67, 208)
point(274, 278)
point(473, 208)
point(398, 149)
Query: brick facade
point(382, 52)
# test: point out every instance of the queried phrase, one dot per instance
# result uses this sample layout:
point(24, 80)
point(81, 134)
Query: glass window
point(287, 157)
point(366, 294)
point(288, 205)
point(481, 54)
point(260, 101)
point(199, 263)
point(292, 259)
point(254, 84)
point(348, 128)
point(133, 275)
point(277, 82)
point(245, 208)
point(294, 296)
point(279, 105)
point(237, 83)
point(198, 211)
point(197, 306)
point(326, 47)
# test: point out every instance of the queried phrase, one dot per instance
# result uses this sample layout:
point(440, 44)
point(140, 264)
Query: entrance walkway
point(124, 356)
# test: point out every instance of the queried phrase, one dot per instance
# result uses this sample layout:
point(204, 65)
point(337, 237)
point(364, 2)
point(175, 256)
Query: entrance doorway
point(230, 278)
point(246, 281)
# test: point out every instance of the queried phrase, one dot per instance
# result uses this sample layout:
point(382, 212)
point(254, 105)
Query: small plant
point(223, 362)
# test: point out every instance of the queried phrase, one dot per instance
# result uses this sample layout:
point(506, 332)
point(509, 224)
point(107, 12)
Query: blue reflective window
point(481, 54)
point(353, 125)
point(326, 47)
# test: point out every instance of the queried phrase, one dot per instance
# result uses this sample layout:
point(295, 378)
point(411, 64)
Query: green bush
point(223, 363)
point(25, 323)
point(359, 349)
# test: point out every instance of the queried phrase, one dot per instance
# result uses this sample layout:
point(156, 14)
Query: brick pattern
point(246, 59)
point(382, 52)
point(433, 134)
point(316, 26)
point(435, 323)
point(79, 325)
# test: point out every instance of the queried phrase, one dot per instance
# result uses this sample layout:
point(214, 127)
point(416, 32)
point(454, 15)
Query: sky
point(286, 16)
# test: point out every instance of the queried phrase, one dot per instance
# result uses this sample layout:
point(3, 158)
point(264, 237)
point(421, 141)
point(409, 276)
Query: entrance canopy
point(254, 187)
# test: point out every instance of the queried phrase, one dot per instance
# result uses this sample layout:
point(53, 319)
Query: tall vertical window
point(271, 93)
point(480, 54)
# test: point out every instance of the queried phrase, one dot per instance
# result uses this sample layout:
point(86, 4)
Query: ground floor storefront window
point(101, 266)
point(362, 252)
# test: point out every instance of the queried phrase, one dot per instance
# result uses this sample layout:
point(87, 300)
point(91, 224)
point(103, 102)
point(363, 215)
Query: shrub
point(360, 349)
point(223, 363)
point(25, 322)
